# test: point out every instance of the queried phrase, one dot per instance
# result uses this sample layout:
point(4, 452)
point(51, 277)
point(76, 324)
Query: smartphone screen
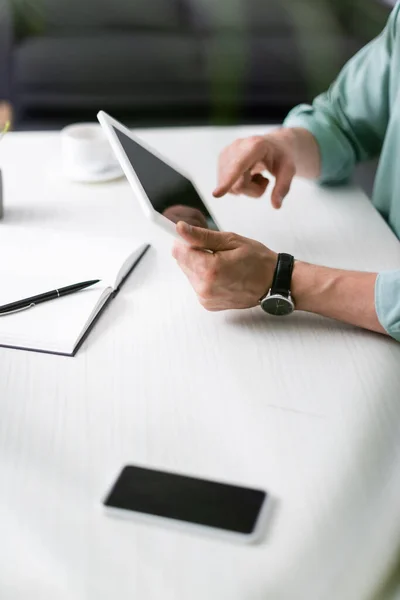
point(198, 501)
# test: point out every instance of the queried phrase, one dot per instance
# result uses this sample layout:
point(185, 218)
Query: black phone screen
point(198, 501)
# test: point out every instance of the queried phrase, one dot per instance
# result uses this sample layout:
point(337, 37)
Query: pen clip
point(11, 312)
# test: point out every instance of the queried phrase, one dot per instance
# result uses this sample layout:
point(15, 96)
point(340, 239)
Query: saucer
point(109, 173)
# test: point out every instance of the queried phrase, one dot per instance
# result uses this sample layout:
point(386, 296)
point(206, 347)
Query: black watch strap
point(282, 280)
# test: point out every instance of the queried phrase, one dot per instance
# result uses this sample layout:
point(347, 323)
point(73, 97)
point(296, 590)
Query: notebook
point(34, 261)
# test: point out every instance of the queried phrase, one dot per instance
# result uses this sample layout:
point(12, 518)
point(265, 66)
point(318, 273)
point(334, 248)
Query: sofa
point(169, 62)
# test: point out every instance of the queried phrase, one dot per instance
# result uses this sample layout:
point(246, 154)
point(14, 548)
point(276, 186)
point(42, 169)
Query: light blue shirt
point(359, 118)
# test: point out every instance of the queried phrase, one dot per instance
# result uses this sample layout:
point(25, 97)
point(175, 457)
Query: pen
point(14, 307)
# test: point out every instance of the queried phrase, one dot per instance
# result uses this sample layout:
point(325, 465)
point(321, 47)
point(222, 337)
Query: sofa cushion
point(239, 15)
point(94, 62)
point(276, 62)
point(72, 16)
point(144, 67)
point(268, 16)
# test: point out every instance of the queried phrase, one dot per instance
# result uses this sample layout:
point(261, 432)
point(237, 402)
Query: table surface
point(305, 407)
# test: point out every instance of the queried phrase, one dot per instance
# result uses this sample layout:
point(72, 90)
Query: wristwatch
point(278, 301)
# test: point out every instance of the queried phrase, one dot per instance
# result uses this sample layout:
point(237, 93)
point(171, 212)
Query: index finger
point(244, 160)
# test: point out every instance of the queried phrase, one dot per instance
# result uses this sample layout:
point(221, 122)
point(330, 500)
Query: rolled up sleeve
point(349, 121)
point(387, 302)
point(338, 157)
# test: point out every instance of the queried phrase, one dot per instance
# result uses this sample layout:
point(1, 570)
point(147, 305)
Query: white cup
point(86, 152)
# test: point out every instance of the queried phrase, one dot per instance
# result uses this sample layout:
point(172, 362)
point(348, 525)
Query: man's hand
point(242, 163)
point(236, 275)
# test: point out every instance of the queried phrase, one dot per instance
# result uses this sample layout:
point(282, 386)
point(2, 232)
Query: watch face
point(277, 305)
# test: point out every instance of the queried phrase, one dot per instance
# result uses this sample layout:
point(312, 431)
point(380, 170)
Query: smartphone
point(201, 505)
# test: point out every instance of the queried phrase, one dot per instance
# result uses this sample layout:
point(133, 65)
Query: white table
point(305, 407)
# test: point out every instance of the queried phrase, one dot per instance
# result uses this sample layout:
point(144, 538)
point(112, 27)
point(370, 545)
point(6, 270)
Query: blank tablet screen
point(170, 193)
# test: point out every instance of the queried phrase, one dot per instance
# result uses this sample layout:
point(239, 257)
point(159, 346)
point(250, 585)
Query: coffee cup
point(87, 154)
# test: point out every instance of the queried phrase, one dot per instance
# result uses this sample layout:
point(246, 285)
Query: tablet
point(165, 193)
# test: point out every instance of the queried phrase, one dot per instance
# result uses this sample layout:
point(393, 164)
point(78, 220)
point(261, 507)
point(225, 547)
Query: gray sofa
point(171, 61)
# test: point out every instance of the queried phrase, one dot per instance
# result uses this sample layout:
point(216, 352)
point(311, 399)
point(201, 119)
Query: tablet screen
point(170, 193)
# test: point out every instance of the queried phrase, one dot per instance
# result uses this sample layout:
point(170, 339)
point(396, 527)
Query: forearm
point(304, 149)
point(347, 296)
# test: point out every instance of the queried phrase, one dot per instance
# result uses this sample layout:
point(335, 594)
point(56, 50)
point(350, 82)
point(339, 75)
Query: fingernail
point(185, 227)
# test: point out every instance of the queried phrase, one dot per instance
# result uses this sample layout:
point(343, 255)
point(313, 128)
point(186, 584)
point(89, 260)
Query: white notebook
point(34, 261)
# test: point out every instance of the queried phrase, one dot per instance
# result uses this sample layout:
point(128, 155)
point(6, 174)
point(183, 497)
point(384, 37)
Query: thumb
point(206, 239)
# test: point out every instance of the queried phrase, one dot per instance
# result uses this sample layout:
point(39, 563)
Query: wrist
point(285, 134)
point(305, 285)
point(267, 274)
point(303, 149)
point(286, 138)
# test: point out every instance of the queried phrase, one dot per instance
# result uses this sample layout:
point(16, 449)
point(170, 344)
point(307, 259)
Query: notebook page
point(128, 264)
point(33, 261)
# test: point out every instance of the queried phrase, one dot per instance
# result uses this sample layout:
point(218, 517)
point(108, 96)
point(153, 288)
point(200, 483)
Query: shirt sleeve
point(387, 302)
point(349, 121)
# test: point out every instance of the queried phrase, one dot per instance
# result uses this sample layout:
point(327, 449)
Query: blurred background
point(174, 62)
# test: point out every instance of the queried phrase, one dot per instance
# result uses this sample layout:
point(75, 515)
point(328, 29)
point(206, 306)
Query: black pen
point(14, 307)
